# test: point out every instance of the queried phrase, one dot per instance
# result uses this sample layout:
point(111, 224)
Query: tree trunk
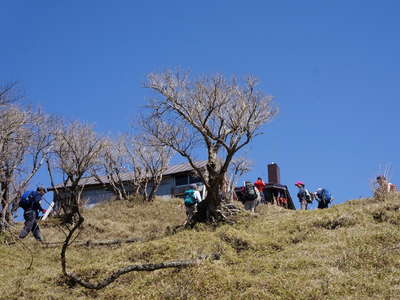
point(3, 216)
point(154, 187)
point(209, 209)
point(123, 191)
point(6, 216)
point(118, 188)
point(4, 206)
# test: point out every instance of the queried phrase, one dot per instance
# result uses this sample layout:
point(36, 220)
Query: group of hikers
point(252, 194)
point(321, 195)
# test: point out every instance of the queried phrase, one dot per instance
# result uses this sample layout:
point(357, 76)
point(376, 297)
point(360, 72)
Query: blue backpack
point(26, 200)
point(326, 195)
point(189, 198)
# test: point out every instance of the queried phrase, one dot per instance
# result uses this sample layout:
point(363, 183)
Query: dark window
point(181, 180)
point(194, 179)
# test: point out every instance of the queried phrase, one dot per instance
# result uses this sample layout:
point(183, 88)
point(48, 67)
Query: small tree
point(75, 152)
point(132, 165)
point(24, 144)
point(239, 166)
point(148, 161)
point(215, 114)
point(40, 144)
point(113, 163)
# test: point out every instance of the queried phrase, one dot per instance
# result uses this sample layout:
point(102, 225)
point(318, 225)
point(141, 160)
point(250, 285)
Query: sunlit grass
point(350, 251)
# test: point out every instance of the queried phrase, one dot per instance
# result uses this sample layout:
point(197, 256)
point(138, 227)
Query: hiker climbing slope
point(30, 202)
point(384, 185)
point(260, 185)
point(251, 196)
point(305, 197)
point(323, 198)
point(191, 198)
point(383, 188)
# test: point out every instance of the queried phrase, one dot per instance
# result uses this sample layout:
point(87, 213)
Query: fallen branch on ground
point(116, 274)
point(90, 243)
point(139, 267)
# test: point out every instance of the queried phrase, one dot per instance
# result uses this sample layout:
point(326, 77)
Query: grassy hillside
point(350, 251)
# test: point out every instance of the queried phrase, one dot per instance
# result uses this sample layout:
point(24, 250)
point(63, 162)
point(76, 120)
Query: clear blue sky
point(332, 66)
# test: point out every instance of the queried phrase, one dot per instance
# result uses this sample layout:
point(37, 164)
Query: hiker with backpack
point(251, 196)
point(191, 198)
point(383, 187)
point(30, 202)
point(260, 185)
point(305, 197)
point(323, 198)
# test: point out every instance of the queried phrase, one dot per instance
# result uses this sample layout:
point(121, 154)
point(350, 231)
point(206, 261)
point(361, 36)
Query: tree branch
point(90, 243)
point(139, 268)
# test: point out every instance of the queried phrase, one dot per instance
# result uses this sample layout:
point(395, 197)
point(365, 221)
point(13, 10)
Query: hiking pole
point(48, 210)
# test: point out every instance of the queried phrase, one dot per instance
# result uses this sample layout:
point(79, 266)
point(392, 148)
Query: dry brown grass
point(350, 251)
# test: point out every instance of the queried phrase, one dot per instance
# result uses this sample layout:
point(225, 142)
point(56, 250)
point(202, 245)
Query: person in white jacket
point(384, 187)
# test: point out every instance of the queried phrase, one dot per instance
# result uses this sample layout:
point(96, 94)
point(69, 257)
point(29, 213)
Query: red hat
point(299, 183)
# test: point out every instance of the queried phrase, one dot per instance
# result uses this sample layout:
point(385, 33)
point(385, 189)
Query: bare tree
point(154, 159)
point(148, 161)
point(75, 152)
point(239, 166)
point(112, 166)
point(40, 145)
point(24, 143)
point(9, 93)
point(132, 165)
point(215, 114)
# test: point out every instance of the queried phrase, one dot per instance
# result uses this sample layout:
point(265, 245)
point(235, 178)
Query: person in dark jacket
point(323, 198)
point(31, 214)
point(251, 196)
point(303, 195)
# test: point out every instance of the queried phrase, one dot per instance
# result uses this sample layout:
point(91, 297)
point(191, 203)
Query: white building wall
point(166, 187)
point(97, 195)
point(94, 196)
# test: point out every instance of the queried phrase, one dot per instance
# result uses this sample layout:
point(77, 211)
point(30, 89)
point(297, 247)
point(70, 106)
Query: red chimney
point(274, 174)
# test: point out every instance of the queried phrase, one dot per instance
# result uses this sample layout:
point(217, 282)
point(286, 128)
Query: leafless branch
point(24, 143)
point(91, 243)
